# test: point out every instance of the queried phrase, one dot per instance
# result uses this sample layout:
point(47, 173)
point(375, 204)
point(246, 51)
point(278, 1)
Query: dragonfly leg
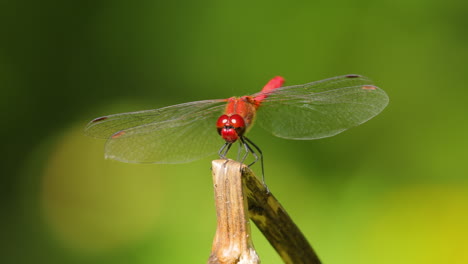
point(247, 150)
point(239, 150)
point(224, 150)
point(245, 141)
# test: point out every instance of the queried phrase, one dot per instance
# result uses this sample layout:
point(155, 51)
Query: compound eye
point(237, 121)
point(222, 120)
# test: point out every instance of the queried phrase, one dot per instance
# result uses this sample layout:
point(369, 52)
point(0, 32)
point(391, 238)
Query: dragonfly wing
point(321, 109)
point(174, 134)
point(106, 126)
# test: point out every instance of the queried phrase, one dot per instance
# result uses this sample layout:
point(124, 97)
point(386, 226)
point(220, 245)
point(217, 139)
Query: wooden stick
point(233, 231)
point(232, 242)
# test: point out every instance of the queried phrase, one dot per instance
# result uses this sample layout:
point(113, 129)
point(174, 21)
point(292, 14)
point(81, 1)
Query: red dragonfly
point(186, 132)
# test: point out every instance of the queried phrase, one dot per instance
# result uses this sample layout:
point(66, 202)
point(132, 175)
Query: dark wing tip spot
point(369, 87)
point(99, 119)
point(353, 76)
point(118, 134)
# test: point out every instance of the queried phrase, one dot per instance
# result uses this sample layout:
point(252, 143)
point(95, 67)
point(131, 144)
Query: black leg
point(245, 141)
point(239, 150)
point(247, 150)
point(224, 150)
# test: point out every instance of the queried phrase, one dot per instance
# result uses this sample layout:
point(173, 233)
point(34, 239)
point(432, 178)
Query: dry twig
point(239, 195)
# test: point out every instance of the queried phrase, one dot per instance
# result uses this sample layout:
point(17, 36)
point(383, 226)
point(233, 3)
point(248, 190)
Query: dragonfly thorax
point(231, 127)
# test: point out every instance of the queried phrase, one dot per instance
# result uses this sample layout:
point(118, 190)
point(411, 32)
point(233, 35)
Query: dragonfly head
point(231, 127)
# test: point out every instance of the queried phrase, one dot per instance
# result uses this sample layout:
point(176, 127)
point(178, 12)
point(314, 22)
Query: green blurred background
point(393, 190)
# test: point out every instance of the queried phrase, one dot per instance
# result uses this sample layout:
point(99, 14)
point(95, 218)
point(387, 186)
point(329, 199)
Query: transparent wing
point(106, 126)
point(321, 109)
point(173, 134)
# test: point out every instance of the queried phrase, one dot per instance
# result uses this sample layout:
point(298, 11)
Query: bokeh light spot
point(96, 205)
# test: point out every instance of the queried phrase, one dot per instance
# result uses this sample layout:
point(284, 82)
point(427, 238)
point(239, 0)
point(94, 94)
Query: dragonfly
point(190, 131)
